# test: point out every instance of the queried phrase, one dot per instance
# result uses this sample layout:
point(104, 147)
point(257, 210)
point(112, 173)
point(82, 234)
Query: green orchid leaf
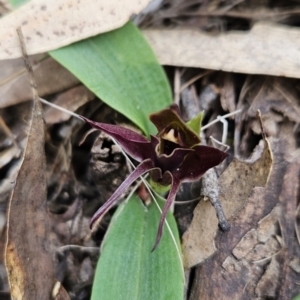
point(133, 272)
point(195, 123)
point(121, 69)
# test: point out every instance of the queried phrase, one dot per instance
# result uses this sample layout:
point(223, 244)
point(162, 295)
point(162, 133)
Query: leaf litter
point(236, 184)
point(262, 200)
point(14, 84)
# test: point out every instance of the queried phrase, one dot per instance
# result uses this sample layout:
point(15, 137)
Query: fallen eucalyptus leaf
point(236, 184)
point(28, 261)
point(267, 48)
point(49, 25)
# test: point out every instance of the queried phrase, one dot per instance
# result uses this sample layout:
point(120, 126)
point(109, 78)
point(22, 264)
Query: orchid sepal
point(195, 123)
point(141, 169)
point(136, 145)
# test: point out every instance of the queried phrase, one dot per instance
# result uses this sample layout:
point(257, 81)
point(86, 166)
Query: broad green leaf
point(121, 69)
point(133, 272)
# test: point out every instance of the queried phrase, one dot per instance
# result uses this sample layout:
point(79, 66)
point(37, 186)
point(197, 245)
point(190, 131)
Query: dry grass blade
point(28, 261)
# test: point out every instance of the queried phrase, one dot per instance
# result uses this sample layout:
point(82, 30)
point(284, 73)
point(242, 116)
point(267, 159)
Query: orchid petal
point(163, 179)
point(168, 162)
point(136, 145)
point(195, 164)
point(169, 119)
point(142, 168)
point(171, 197)
point(173, 161)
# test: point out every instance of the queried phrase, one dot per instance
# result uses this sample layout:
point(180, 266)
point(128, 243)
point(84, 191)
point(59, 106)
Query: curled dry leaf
point(28, 261)
point(276, 98)
point(227, 93)
point(29, 264)
point(267, 49)
point(236, 184)
point(48, 25)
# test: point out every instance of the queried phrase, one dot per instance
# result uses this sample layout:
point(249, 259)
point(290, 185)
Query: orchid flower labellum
point(173, 156)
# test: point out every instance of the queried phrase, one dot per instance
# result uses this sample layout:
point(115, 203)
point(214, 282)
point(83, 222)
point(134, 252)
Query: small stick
point(28, 67)
point(210, 190)
point(218, 119)
point(263, 133)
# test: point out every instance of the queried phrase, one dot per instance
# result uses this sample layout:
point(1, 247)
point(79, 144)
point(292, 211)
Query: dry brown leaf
point(28, 261)
point(227, 93)
point(11, 68)
point(246, 244)
point(257, 258)
point(267, 286)
point(50, 76)
point(240, 268)
point(276, 98)
point(49, 25)
point(268, 48)
point(236, 184)
point(271, 94)
point(71, 100)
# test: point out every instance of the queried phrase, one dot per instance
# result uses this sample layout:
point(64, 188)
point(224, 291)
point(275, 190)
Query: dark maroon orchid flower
point(173, 156)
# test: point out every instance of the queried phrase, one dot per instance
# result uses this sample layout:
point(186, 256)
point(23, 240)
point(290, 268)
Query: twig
point(195, 78)
point(221, 117)
point(60, 108)
point(210, 190)
point(28, 67)
point(263, 133)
